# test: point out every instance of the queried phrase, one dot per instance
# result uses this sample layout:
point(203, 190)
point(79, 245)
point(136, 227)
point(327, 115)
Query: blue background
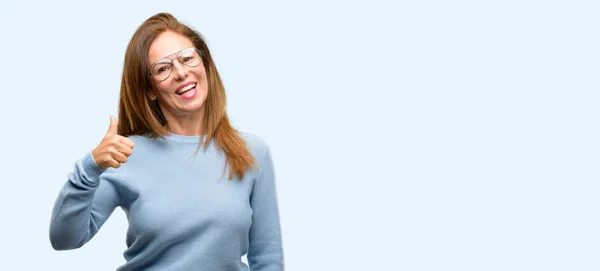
point(406, 135)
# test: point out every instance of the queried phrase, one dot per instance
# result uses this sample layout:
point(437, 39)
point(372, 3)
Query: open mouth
point(185, 89)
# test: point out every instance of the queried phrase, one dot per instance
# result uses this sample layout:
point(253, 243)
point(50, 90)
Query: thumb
point(112, 129)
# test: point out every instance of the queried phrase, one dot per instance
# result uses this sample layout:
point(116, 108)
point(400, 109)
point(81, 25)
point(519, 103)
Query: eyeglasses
point(161, 69)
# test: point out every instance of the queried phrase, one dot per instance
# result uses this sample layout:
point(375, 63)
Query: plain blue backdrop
point(406, 135)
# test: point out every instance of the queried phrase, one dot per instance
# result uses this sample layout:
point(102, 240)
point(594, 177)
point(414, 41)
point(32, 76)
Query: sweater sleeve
point(84, 203)
point(265, 251)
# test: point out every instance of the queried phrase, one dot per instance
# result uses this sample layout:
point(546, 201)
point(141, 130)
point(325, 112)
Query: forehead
point(166, 44)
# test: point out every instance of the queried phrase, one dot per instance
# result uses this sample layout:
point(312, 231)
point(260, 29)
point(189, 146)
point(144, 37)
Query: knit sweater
point(183, 212)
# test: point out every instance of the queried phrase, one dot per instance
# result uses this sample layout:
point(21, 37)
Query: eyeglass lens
point(163, 67)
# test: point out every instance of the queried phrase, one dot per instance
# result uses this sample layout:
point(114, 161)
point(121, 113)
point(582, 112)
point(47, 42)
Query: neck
point(186, 125)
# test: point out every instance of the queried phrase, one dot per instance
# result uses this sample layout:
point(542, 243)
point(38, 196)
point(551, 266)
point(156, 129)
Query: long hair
point(138, 115)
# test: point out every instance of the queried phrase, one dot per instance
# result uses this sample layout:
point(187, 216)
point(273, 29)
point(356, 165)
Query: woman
point(197, 193)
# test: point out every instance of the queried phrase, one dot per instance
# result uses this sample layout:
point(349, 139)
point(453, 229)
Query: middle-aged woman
point(198, 194)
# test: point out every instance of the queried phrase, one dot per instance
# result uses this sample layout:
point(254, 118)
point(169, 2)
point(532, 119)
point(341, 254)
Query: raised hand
point(114, 149)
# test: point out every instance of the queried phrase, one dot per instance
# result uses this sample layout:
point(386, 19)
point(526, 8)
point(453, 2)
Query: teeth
point(186, 88)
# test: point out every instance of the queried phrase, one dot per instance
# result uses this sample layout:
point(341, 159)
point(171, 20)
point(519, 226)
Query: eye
point(162, 69)
point(187, 58)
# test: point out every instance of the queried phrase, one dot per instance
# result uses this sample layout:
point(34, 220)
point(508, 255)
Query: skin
point(113, 149)
point(184, 117)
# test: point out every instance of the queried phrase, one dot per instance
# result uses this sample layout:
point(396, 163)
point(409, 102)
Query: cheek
point(200, 72)
point(164, 87)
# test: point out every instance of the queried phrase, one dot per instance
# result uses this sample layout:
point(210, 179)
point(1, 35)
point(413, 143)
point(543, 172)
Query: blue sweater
point(183, 213)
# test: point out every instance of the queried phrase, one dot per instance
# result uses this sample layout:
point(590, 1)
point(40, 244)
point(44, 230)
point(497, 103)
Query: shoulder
point(256, 144)
point(253, 140)
point(145, 146)
point(143, 140)
point(138, 138)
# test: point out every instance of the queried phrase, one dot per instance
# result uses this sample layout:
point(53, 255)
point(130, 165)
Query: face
point(181, 81)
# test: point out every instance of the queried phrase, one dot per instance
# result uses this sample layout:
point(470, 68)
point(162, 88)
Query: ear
point(151, 96)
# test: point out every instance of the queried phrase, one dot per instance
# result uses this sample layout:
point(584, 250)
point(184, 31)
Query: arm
point(84, 203)
point(265, 252)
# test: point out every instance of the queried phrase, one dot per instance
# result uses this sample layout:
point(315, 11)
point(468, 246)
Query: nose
point(179, 70)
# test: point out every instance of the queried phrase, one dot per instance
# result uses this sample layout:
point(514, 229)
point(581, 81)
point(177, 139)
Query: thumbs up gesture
point(114, 149)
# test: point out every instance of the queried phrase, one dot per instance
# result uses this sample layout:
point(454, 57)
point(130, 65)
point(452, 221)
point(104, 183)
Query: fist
point(114, 149)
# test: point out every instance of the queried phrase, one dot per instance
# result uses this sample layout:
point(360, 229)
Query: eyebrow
point(167, 59)
point(162, 60)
